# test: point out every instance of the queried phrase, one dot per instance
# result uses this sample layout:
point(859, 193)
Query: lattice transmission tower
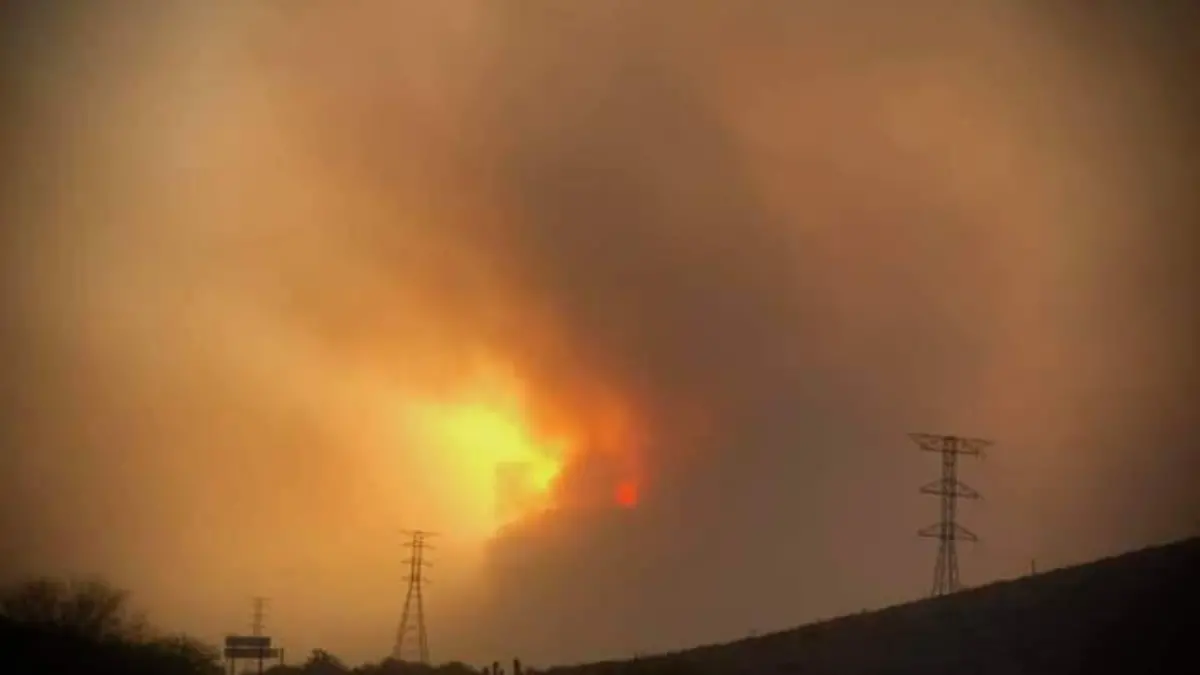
point(413, 617)
point(258, 618)
point(950, 489)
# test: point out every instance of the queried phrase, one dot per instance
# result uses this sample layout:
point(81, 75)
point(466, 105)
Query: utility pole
point(413, 616)
point(947, 530)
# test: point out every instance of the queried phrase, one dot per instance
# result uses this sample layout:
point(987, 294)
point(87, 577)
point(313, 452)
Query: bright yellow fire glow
point(494, 461)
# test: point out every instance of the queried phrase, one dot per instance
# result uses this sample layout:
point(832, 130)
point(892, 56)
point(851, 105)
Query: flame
point(626, 494)
point(497, 459)
point(496, 462)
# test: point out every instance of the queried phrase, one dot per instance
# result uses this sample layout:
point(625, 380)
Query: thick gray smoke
point(806, 230)
point(783, 234)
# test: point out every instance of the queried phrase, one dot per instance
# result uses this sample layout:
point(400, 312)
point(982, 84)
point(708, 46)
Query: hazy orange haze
point(286, 278)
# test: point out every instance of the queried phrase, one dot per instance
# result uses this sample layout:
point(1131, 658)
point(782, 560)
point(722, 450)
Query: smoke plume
point(733, 251)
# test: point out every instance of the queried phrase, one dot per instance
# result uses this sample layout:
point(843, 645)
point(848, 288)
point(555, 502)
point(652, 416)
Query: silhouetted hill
point(1125, 614)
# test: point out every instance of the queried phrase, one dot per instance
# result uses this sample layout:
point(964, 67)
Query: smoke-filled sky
point(633, 302)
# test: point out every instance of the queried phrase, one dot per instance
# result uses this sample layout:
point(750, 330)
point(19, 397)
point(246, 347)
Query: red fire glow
point(627, 494)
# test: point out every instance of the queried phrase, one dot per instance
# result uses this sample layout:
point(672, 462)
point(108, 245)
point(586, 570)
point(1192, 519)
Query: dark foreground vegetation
point(53, 627)
point(1129, 614)
point(49, 626)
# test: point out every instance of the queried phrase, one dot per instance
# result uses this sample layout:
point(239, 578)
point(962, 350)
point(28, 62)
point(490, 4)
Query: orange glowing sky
point(502, 462)
point(580, 285)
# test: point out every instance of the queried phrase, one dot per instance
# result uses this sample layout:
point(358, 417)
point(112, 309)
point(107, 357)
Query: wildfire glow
point(627, 494)
point(494, 461)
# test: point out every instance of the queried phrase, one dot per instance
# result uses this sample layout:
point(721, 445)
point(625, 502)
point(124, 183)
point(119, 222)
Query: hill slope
point(1126, 614)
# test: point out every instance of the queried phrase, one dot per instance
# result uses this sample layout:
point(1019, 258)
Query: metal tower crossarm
point(950, 489)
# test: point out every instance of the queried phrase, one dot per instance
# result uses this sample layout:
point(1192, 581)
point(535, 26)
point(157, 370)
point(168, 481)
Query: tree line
point(57, 627)
point(67, 627)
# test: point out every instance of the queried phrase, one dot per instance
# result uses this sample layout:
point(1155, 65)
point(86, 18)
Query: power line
point(947, 530)
point(413, 616)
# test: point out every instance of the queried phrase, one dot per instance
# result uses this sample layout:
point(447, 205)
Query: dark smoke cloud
point(781, 233)
point(640, 217)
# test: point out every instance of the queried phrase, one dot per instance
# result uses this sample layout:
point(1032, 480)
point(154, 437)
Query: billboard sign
point(254, 653)
point(258, 641)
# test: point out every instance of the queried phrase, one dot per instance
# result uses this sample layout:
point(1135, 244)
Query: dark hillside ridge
point(1127, 614)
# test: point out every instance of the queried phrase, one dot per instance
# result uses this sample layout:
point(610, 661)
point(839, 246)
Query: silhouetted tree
point(321, 662)
point(456, 668)
point(191, 654)
point(56, 627)
point(90, 608)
